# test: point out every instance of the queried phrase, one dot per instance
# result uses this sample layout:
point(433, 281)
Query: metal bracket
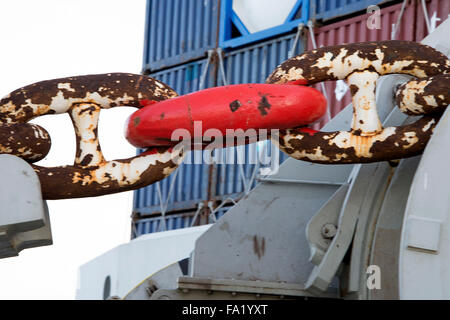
point(323, 274)
point(242, 286)
point(24, 220)
point(328, 214)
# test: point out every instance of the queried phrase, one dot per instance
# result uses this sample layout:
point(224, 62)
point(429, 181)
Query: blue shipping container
point(177, 31)
point(157, 224)
point(255, 63)
point(299, 14)
point(170, 222)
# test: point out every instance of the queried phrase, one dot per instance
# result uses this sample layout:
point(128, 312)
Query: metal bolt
point(151, 289)
point(328, 231)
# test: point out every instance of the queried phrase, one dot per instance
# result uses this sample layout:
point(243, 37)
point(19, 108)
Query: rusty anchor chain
point(361, 64)
point(83, 97)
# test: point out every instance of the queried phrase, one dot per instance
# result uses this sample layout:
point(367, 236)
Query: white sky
point(48, 39)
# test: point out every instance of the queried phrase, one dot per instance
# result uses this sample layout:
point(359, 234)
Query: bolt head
point(328, 231)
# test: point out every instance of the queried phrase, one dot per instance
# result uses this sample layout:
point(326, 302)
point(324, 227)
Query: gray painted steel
point(386, 238)
point(268, 227)
point(177, 31)
point(154, 224)
point(424, 246)
point(423, 258)
point(24, 220)
point(260, 243)
point(166, 278)
point(263, 236)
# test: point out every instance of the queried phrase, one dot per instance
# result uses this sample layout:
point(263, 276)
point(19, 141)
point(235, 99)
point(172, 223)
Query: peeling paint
point(361, 64)
point(83, 97)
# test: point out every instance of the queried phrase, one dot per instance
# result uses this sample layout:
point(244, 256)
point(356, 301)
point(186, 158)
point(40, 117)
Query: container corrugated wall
point(186, 78)
point(178, 31)
point(156, 224)
point(171, 222)
point(332, 9)
point(190, 186)
point(255, 63)
point(233, 180)
point(439, 7)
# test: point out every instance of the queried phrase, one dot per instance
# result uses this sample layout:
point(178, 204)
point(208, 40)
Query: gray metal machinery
point(364, 231)
point(24, 220)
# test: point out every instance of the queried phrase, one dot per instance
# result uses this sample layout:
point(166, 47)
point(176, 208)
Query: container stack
point(197, 44)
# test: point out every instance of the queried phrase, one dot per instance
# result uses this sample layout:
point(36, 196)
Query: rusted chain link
point(28, 141)
point(424, 96)
point(361, 64)
point(83, 97)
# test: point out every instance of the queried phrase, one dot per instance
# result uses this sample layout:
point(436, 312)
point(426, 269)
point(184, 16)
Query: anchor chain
point(83, 97)
point(361, 64)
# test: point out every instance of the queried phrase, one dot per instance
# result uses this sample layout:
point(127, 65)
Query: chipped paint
point(384, 57)
point(361, 64)
point(345, 147)
point(424, 96)
point(83, 97)
point(365, 115)
point(28, 141)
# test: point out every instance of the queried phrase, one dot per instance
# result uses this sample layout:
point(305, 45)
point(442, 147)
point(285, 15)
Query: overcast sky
point(48, 39)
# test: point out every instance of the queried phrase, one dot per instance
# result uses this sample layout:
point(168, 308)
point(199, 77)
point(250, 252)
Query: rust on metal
point(25, 140)
point(424, 96)
point(83, 97)
point(383, 57)
point(345, 147)
point(108, 177)
point(361, 64)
